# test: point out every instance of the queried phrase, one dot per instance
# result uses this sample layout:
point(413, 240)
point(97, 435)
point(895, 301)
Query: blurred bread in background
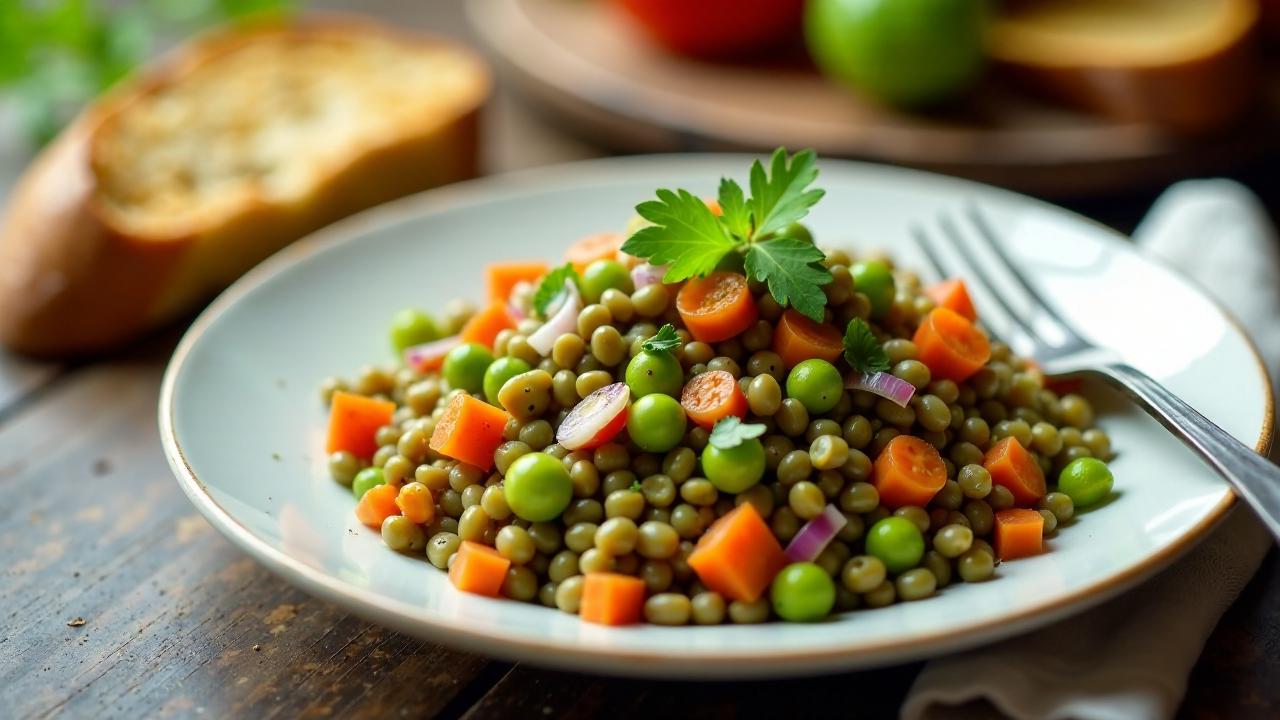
point(1185, 64)
point(237, 143)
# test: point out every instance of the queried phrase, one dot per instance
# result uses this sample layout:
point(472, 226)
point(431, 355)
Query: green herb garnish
point(861, 348)
point(692, 241)
point(665, 341)
point(551, 286)
point(731, 432)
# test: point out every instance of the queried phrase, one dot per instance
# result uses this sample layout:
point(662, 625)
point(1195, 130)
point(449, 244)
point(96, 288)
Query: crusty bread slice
point(236, 144)
point(1185, 64)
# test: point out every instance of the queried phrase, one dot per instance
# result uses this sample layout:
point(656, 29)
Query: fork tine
point(988, 236)
point(984, 278)
point(932, 253)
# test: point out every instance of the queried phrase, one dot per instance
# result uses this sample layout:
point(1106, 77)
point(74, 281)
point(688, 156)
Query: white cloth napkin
point(1121, 660)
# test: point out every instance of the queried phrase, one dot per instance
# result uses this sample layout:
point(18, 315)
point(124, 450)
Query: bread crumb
point(76, 622)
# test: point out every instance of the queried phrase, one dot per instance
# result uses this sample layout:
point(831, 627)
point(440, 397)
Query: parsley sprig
point(692, 241)
point(861, 348)
point(731, 432)
point(551, 286)
point(665, 341)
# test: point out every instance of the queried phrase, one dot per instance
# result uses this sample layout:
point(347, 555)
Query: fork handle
point(1255, 478)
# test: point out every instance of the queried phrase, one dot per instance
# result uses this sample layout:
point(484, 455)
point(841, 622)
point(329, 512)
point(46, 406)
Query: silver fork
point(1050, 339)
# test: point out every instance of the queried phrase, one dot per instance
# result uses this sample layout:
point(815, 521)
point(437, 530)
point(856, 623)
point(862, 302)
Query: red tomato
point(717, 28)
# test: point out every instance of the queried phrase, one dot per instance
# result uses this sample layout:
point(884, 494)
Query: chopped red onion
point(596, 419)
point(886, 385)
point(645, 274)
point(563, 320)
point(416, 355)
point(816, 534)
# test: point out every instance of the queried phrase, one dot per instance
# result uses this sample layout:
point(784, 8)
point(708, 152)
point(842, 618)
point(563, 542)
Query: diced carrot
point(738, 556)
point(478, 569)
point(415, 502)
point(908, 471)
point(712, 396)
point(1013, 467)
point(953, 295)
point(1018, 532)
point(950, 346)
point(485, 325)
point(501, 277)
point(714, 206)
point(717, 307)
point(378, 504)
point(469, 431)
point(602, 246)
point(797, 338)
point(353, 420)
point(611, 599)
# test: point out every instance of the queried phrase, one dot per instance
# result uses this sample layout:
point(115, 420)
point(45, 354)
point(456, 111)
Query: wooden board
point(583, 62)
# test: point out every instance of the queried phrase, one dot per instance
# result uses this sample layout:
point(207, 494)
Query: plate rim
point(391, 611)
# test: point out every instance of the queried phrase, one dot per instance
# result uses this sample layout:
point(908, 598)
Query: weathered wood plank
point(19, 377)
point(530, 692)
point(176, 620)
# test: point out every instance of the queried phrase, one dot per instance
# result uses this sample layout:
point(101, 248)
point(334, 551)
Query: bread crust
point(75, 281)
point(1199, 93)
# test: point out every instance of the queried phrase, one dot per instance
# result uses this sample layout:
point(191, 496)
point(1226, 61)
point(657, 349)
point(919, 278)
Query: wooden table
point(118, 600)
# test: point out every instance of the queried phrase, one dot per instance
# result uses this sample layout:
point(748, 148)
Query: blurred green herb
point(56, 55)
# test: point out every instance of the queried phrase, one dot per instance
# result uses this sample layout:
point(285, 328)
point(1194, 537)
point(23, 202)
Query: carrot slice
point(353, 420)
point(908, 471)
point(611, 599)
point(602, 246)
point(415, 502)
point(378, 504)
point(797, 338)
point(485, 325)
point(469, 431)
point(717, 307)
point(478, 569)
point(952, 347)
point(738, 556)
point(1013, 467)
point(1018, 532)
point(953, 295)
point(502, 277)
point(712, 396)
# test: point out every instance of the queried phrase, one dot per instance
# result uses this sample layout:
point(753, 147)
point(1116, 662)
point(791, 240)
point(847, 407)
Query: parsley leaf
point(789, 267)
point(665, 341)
point(733, 207)
point(551, 286)
point(731, 432)
point(861, 348)
point(779, 198)
point(685, 235)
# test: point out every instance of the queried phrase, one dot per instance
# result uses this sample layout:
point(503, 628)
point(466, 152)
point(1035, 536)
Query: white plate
point(243, 428)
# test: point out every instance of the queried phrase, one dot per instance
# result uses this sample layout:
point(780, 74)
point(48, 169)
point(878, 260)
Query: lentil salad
point(707, 419)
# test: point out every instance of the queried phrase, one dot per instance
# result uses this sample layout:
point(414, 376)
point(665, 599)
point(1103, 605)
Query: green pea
point(656, 423)
point(874, 279)
point(803, 592)
point(602, 275)
point(1087, 481)
point(499, 372)
point(897, 542)
point(735, 469)
point(366, 480)
point(537, 487)
point(654, 372)
point(817, 384)
point(410, 327)
point(797, 231)
point(465, 366)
